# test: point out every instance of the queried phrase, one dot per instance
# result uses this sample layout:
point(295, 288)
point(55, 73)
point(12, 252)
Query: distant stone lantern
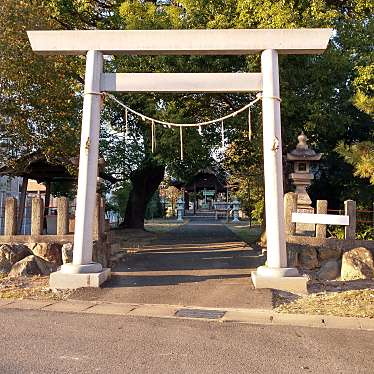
point(301, 157)
point(180, 209)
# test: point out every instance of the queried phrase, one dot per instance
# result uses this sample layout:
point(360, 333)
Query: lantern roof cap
point(302, 152)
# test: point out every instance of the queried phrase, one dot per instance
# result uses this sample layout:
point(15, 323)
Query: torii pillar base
point(283, 279)
point(68, 278)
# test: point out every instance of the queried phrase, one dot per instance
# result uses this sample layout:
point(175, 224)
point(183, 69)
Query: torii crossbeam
point(96, 43)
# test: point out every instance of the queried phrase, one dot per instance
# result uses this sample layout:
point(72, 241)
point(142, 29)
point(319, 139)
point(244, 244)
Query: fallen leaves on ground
point(348, 303)
point(35, 287)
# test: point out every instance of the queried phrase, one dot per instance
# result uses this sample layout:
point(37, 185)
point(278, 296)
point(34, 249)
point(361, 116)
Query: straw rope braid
point(181, 125)
point(197, 124)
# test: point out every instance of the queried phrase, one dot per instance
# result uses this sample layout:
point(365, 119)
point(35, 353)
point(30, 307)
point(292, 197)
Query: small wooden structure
point(35, 165)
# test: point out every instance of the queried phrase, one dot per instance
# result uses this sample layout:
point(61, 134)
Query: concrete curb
point(245, 316)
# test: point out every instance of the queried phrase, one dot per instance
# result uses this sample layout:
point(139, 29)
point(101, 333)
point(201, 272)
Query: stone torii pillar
point(83, 272)
point(276, 274)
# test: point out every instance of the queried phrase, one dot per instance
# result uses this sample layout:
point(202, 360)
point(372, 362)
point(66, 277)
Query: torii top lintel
point(180, 42)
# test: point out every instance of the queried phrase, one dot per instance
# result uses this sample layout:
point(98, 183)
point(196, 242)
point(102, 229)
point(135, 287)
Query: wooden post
point(62, 216)
point(37, 215)
point(321, 209)
point(10, 224)
point(290, 206)
point(350, 210)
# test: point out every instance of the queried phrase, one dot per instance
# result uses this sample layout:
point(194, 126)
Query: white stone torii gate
point(96, 43)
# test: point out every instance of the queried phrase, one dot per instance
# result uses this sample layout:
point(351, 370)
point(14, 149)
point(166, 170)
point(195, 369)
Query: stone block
point(350, 210)
point(31, 265)
point(321, 209)
point(62, 216)
point(292, 257)
point(154, 311)
point(290, 206)
point(111, 309)
point(329, 270)
point(101, 252)
point(11, 254)
point(70, 306)
point(329, 253)
point(50, 252)
point(261, 317)
point(10, 219)
point(308, 257)
point(37, 215)
point(296, 285)
point(67, 253)
point(357, 264)
point(60, 280)
point(28, 304)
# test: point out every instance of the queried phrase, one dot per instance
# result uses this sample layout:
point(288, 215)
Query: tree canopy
point(328, 96)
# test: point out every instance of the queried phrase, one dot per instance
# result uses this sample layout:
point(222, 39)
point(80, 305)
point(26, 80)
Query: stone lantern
point(180, 209)
point(301, 157)
point(235, 210)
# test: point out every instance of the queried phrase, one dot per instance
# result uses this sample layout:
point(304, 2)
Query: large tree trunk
point(145, 182)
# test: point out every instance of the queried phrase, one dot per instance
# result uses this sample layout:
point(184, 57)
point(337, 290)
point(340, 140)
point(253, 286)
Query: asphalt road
point(47, 342)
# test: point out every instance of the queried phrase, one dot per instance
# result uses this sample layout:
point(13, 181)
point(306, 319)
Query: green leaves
point(361, 156)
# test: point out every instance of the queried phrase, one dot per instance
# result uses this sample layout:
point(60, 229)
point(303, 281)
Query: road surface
point(51, 342)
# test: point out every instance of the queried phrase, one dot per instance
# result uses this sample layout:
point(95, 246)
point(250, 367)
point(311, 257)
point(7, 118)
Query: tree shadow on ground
point(203, 260)
point(164, 280)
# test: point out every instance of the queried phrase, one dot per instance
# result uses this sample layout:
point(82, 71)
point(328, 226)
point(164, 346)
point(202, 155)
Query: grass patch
point(161, 226)
point(244, 232)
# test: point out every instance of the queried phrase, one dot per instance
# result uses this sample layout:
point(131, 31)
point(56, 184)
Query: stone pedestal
point(62, 280)
point(295, 284)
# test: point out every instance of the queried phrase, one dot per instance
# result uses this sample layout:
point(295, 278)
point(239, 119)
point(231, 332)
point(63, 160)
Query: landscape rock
point(67, 253)
point(292, 257)
point(308, 257)
point(329, 270)
point(10, 254)
point(32, 265)
point(328, 253)
point(263, 239)
point(101, 252)
point(357, 264)
point(50, 252)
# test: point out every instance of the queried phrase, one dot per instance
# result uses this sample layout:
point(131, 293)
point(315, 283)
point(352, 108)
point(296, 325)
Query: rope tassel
point(223, 134)
point(249, 125)
point(181, 140)
point(153, 130)
point(126, 122)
